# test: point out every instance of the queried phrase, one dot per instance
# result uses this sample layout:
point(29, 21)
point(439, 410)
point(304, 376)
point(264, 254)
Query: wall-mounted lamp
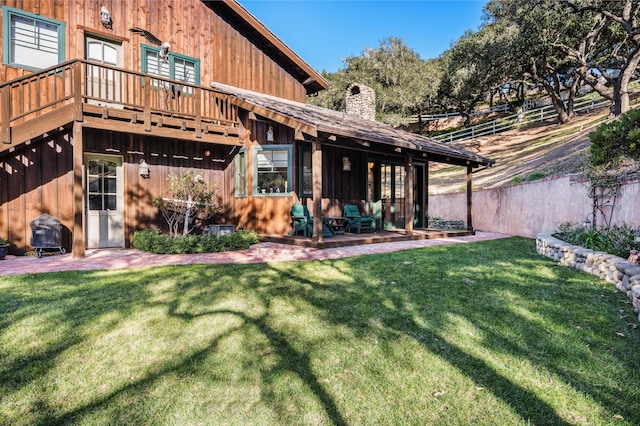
point(346, 164)
point(144, 169)
point(270, 134)
point(105, 17)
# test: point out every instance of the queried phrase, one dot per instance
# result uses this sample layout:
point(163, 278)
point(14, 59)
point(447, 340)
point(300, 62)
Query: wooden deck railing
point(73, 84)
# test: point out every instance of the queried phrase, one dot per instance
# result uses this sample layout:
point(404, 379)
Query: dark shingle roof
point(350, 126)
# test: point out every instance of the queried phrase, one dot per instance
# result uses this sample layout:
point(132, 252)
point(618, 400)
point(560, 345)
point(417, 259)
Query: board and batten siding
point(226, 51)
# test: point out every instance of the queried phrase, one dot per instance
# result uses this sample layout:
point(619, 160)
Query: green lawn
point(485, 334)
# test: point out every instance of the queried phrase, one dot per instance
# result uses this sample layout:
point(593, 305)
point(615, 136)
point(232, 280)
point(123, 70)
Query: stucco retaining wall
point(530, 208)
point(623, 274)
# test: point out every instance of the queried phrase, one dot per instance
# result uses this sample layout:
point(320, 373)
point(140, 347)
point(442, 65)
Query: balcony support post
point(77, 248)
point(5, 113)
point(77, 91)
point(146, 90)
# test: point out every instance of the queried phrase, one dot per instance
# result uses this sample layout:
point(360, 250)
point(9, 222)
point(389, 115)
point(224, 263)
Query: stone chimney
point(361, 101)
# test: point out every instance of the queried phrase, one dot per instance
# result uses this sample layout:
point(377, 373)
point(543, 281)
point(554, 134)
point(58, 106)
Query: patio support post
point(408, 194)
point(469, 199)
point(316, 211)
point(426, 194)
point(77, 248)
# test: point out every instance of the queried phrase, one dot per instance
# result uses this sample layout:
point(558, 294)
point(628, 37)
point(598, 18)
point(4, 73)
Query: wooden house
point(96, 111)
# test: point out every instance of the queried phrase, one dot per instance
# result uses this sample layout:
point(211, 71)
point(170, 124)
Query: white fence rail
point(584, 103)
point(482, 110)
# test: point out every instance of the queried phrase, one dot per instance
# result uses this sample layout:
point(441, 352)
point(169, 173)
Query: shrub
point(615, 239)
point(187, 202)
point(154, 242)
point(612, 141)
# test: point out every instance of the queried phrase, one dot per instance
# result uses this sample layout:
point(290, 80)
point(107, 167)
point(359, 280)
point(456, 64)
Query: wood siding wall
point(227, 53)
point(28, 190)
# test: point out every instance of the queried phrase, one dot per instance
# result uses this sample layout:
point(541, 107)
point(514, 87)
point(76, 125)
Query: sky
point(325, 32)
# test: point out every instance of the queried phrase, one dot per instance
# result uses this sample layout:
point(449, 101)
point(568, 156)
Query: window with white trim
point(272, 170)
point(31, 41)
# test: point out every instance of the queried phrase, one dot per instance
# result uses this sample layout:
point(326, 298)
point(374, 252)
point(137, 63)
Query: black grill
point(46, 233)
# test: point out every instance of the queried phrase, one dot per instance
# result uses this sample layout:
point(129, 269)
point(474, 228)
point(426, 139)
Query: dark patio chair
point(301, 220)
point(355, 220)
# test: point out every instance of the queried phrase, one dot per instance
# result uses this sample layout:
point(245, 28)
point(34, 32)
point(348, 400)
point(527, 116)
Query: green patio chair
point(355, 220)
point(301, 221)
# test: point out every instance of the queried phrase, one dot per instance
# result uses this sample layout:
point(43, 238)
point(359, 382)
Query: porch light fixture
point(346, 164)
point(105, 17)
point(144, 169)
point(636, 236)
point(270, 134)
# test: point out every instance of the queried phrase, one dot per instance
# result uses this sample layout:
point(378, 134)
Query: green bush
point(154, 242)
point(612, 141)
point(615, 239)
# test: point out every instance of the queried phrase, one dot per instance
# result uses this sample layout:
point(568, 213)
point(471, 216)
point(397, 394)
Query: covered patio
point(348, 158)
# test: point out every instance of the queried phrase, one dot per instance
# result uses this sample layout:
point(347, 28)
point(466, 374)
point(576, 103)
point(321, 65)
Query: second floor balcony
point(110, 98)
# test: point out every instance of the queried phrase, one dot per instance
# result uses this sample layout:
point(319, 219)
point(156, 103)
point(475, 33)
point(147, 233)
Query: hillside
point(540, 151)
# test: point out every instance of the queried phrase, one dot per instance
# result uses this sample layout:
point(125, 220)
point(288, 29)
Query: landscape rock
point(614, 269)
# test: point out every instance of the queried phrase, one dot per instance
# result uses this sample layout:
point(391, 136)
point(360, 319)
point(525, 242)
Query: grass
point(529, 178)
point(484, 333)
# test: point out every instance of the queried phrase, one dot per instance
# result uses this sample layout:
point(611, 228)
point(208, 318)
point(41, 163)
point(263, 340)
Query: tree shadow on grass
point(519, 334)
point(417, 304)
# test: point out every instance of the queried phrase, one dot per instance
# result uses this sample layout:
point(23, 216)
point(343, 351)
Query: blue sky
point(325, 32)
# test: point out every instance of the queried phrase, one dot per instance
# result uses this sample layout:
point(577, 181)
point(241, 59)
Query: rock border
point(446, 224)
point(623, 274)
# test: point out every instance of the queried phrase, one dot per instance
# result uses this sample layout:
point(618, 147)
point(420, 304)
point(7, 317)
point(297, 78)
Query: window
point(31, 41)
point(306, 172)
point(241, 173)
point(102, 181)
point(178, 67)
point(272, 171)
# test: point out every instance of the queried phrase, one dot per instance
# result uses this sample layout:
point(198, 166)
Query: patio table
point(336, 225)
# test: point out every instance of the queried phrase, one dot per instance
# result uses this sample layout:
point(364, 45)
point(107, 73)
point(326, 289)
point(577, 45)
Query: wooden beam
point(146, 90)
point(316, 212)
point(469, 199)
point(163, 132)
point(408, 194)
point(78, 247)
point(5, 113)
point(77, 91)
point(426, 194)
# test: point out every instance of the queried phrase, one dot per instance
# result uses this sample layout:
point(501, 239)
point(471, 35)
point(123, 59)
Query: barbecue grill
point(46, 233)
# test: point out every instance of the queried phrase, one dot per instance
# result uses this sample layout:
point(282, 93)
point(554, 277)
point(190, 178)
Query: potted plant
point(4, 248)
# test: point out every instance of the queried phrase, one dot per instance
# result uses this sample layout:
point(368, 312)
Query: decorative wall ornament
point(346, 164)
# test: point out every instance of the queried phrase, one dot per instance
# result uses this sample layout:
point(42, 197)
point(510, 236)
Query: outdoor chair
point(301, 220)
point(355, 220)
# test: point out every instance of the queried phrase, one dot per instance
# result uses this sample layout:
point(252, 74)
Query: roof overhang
point(329, 126)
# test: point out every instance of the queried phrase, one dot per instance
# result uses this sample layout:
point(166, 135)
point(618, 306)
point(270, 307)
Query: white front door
point(104, 201)
point(103, 84)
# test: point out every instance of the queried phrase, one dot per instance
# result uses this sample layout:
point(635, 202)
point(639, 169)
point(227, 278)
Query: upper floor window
point(178, 67)
point(31, 41)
